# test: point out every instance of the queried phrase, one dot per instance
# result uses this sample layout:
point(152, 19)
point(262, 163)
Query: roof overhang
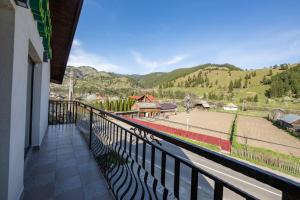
point(64, 17)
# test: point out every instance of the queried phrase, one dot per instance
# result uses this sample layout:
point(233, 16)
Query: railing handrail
point(284, 184)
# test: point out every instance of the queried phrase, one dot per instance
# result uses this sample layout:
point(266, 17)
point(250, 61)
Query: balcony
point(137, 162)
point(64, 168)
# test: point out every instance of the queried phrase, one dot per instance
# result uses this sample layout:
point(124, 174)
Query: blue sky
point(142, 36)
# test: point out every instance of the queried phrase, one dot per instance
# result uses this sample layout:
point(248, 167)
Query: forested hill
point(158, 78)
point(286, 83)
point(213, 81)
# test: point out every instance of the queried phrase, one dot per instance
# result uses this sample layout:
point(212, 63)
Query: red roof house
point(143, 98)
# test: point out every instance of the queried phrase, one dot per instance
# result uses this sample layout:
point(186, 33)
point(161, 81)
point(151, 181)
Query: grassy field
point(252, 113)
point(205, 145)
point(288, 164)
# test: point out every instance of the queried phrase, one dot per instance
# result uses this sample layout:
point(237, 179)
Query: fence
point(137, 165)
point(223, 144)
point(283, 165)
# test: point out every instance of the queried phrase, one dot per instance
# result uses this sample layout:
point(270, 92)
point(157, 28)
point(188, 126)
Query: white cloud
point(154, 65)
point(276, 49)
point(76, 43)
point(81, 57)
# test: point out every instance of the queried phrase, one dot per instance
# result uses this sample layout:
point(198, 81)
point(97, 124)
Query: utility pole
point(187, 103)
point(72, 82)
point(71, 85)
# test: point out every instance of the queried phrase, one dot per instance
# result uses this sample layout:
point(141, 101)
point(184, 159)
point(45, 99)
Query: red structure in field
point(223, 144)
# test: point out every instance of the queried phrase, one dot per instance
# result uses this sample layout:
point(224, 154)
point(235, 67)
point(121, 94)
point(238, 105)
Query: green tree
point(270, 72)
point(255, 98)
point(246, 83)
point(230, 87)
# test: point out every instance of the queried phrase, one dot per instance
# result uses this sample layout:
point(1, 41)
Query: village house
point(231, 107)
point(290, 121)
point(276, 114)
point(146, 109)
point(143, 98)
point(96, 97)
point(168, 108)
point(202, 105)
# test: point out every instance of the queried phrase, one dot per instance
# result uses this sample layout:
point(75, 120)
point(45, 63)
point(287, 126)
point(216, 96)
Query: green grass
point(262, 151)
point(202, 144)
point(268, 153)
point(251, 113)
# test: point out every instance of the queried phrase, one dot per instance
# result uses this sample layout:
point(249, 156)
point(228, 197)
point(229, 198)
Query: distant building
point(143, 98)
point(95, 97)
point(231, 107)
point(202, 105)
point(57, 97)
point(168, 107)
point(91, 97)
point(276, 114)
point(290, 121)
point(146, 109)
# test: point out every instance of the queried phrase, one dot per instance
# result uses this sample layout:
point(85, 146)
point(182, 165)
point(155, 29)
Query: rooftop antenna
point(72, 82)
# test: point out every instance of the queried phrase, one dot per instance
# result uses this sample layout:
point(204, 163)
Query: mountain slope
point(157, 78)
point(89, 80)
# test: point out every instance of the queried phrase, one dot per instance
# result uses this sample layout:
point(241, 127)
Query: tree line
point(286, 83)
point(118, 105)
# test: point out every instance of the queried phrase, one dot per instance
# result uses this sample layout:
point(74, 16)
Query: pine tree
point(230, 87)
point(255, 98)
point(112, 106)
point(107, 104)
point(246, 83)
point(270, 72)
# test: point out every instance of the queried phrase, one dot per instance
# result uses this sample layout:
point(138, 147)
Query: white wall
point(40, 102)
point(20, 40)
point(6, 61)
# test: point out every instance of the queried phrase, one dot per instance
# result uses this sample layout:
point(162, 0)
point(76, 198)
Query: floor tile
point(64, 168)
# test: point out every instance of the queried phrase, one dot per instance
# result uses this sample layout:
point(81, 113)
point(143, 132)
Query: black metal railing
point(62, 112)
point(142, 163)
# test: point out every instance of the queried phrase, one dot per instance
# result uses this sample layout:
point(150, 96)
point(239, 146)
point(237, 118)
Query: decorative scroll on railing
point(139, 163)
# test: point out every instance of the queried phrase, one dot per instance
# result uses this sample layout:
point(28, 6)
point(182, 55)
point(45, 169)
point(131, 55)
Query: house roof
point(167, 106)
point(231, 105)
point(135, 97)
point(64, 19)
point(290, 118)
point(204, 104)
point(149, 97)
point(145, 105)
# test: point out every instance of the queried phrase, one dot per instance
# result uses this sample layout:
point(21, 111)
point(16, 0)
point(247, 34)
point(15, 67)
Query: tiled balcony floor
point(64, 168)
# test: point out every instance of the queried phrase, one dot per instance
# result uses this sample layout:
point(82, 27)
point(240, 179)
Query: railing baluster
point(60, 112)
point(218, 193)
point(49, 112)
point(137, 149)
point(176, 177)
point(130, 144)
point(52, 109)
point(163, 168)
point(152, 159)
point(125, 141)
point(194, 184)
point(56, 111)
point(91, 128)
point(63, 112)
point(76, 108)
point(144, 154)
